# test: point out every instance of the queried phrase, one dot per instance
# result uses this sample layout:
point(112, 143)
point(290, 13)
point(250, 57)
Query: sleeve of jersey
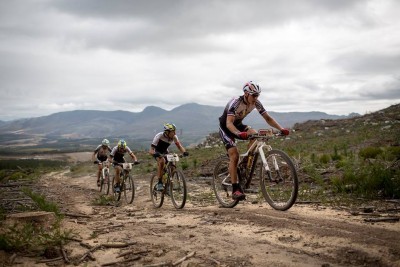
point(113, 152)
point(260, 107)
point(155, 140)
point(233, 107)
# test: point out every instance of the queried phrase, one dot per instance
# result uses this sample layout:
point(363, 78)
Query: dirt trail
point(248, 235)
point(203, 234)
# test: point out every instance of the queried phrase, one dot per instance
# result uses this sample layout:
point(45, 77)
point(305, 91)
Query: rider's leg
point(160, 170)
point(98, 172)
point(237, 192)
point(160, 167)
point(117, 174)
point(233, 154)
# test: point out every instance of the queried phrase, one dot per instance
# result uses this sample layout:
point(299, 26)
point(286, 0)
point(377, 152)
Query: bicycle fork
point(267, 168)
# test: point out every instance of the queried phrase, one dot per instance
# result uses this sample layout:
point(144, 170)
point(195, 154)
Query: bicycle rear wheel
point(128, 187)
point(177, 189)
point(222, 184)
point(157, 197)
point(105, 182)
point(280, 184)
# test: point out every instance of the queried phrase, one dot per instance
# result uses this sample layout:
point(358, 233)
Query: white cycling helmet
point(105, 142)
point(252, 88)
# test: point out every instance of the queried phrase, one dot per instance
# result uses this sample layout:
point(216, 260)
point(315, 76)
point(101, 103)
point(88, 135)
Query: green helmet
point(122, 143)
point(169, 127)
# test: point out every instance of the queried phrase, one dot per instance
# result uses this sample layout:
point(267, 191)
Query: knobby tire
point(279, 187)
point(157, 197)
point(223, 192)
point(177, 189)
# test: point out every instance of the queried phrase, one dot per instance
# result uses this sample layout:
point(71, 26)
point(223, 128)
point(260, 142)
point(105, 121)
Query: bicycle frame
point(257, 148)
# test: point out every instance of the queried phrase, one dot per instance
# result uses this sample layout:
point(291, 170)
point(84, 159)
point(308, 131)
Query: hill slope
point(194, 122)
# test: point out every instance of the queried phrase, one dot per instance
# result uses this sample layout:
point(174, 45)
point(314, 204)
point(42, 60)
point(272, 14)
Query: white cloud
point(333, 56)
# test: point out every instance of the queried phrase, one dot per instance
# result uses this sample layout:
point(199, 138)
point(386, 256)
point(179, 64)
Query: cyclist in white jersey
point(159, 147)
point(231, 127)
point(117, 156)
point(100, 154)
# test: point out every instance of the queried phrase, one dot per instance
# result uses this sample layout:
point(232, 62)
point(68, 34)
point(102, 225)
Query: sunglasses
point(255, 95)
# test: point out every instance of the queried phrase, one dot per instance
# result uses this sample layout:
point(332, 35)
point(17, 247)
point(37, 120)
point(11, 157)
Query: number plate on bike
point(127, 166)
point(172, 157)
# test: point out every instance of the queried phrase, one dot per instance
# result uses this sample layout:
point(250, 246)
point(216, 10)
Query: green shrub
point(42, 203)
point(393, 152)
point(370, 152)
point(325, 159)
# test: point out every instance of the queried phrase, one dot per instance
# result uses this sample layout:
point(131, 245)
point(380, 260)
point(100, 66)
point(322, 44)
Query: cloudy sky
point(335, 56)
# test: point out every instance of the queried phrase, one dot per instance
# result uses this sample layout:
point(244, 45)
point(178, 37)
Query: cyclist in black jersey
point(117, 156)
point(231, 127)
point(99, 155)
point(159, 147)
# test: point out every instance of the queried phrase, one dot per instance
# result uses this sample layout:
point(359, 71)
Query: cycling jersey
point(161, 142)
point(102, 152)
point(238, 108)
point(118, 155)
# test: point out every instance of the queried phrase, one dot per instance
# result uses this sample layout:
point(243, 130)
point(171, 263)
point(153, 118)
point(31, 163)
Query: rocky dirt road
point(203, 234)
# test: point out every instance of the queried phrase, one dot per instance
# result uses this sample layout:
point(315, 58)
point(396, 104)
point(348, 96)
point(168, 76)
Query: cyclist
point(100, 155)
point(231, 127)
point(160, 145)
point(117, 156)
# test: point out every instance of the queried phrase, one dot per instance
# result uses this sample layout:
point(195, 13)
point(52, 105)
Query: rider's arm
point(133, 156)
point(178, 144)
point(271, 121)
point(231, 127)
point(152, 150)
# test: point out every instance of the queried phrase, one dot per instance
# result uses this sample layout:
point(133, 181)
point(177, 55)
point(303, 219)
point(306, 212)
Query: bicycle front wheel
point(280, 183)
point(177, 189)
point(105, 182)
point(117, 195)
point(128, 187)
point(157, 197)
point(222, 184)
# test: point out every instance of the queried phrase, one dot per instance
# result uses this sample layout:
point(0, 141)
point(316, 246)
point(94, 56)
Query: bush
point(324, 159)
point(370, 152)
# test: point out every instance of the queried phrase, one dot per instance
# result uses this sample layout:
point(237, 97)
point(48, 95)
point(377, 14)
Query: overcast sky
point(337, 56)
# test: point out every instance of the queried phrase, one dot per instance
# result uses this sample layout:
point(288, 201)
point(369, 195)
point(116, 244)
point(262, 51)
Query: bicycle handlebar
point(265, 134)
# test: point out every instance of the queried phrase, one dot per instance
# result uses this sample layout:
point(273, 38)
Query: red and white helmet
point(252, 88)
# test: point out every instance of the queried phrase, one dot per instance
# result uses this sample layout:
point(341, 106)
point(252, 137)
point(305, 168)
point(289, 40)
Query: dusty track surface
point(203, 234)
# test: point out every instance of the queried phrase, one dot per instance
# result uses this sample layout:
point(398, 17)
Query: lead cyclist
point(231, 127)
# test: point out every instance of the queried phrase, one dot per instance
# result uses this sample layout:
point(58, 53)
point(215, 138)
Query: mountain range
point(193, 121)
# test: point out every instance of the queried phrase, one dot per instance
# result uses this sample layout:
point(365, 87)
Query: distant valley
point(76, 129)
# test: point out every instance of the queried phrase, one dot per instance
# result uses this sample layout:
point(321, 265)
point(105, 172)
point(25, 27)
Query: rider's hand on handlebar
point(185, 154)
point(243, 135)
point(96, 162)
point(285, 131)
point(156, 155)
point(136, 162)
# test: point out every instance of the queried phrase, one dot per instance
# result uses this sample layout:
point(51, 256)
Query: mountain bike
point(277, 174)
point(174, 184)
point(127, 186)
point(104, 178)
